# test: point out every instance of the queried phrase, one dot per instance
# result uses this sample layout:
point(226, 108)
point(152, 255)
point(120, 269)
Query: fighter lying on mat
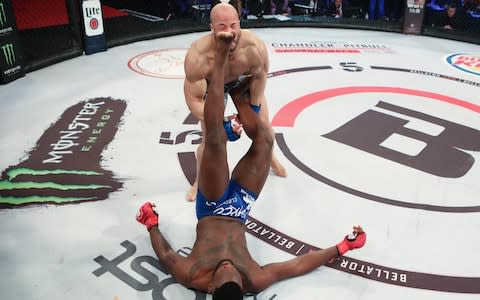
point(220, 262)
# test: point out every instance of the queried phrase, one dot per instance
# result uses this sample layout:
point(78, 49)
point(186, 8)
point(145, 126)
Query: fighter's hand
point(154, 208)
point(354, 240)
point(236, 125)
point(357, 229)
point(148, 215)
point(233, 127)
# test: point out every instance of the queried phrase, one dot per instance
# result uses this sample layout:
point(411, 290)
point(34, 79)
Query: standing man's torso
point(245, 59)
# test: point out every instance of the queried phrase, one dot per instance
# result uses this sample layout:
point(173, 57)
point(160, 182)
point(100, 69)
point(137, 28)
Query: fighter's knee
point(200, 148)
point(214, 138)
point(265, 146)
point(266, 137)
point(270, 140)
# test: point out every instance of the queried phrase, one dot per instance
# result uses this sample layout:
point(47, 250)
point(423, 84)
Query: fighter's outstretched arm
point(176, 264)
point(258, 57)
point(195, 85)
point(304, 264)
point(297, 266)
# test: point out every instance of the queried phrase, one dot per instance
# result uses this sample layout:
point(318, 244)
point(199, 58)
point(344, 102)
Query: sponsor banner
point(94, 35)
point(7, 18)
point(327, 47)
point(92, 17)
point(10, 52)
point(11, 58)
point(413, 17)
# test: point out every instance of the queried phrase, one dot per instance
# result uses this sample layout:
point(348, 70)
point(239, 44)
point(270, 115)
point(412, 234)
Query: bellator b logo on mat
point(375, 131)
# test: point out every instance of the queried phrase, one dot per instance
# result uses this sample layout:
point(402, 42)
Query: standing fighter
point(220, 262)
point(247, 56)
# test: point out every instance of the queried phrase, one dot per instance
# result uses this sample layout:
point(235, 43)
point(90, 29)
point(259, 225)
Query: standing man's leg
point(277, 167)
point(192, 192)
point(252, 170)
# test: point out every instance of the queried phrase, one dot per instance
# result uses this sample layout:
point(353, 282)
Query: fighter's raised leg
point(213, 176)
point(252, 170)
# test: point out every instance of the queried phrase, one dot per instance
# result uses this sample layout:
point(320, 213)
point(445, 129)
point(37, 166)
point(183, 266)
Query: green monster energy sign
point(9, 54)
point(65, 165)
point(3, 15)
point(11, 57)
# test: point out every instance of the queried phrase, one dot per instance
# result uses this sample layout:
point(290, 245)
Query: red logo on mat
point(466, 62)
point(93, 23)
point(163, 63)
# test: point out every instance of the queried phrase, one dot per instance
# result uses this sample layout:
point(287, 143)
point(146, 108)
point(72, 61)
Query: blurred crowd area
point(453, 14)
point(52, 31)
point(448, 14)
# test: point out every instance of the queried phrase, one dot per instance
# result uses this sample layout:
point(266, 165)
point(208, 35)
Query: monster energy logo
point(3, 15)
point(60, 193)
point(9, 54)
point(65, 164)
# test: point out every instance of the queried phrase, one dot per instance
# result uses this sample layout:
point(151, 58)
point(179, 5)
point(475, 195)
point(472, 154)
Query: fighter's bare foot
point(224, 40)
point(192, 193)
point(225, 36)
point(277, 168)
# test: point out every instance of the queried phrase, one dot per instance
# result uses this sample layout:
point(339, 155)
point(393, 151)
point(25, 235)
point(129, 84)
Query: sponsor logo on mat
point(65, 164)
point(469, 63)
point(141, 266)
point(330, 47)
point(164, 63)
point(430, 153)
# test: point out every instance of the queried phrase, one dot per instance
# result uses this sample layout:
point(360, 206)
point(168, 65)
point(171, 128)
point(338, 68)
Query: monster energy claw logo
point(65, 166)
point(3, 15)
point(9, 54)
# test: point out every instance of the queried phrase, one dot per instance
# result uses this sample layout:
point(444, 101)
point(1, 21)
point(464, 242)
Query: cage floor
point(378, 129)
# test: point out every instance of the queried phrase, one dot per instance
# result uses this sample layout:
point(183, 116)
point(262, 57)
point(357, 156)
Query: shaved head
point(223, 10)
point(224, 21)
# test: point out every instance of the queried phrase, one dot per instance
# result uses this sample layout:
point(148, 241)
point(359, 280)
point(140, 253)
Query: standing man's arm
point(195, 84)
point(259, 56)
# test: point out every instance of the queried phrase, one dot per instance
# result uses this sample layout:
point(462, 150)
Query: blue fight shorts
point(233, 84)
point(236, 203)
point(227, 87)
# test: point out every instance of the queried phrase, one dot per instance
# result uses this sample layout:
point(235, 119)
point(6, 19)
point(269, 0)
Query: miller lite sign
point(413, 16)
point(93, 26)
